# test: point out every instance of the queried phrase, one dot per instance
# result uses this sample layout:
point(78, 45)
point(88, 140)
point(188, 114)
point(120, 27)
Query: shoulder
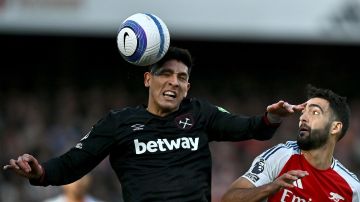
point(278, 156)
point(348, 176)
point(203, 105)
point(194, 102)
point(267, 166)
point(126, 111)
point(115, 117)
point(282, 150)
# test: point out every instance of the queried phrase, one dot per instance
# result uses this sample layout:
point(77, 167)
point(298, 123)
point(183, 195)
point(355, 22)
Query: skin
point(319, 117)
point(168, 86)
point(315, 125)
point(76, 191)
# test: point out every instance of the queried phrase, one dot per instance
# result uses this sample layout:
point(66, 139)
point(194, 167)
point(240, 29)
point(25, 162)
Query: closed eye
point(183, 76)
point(164, 72)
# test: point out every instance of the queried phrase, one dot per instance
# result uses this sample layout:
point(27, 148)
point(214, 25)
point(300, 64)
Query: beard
point(315, 138)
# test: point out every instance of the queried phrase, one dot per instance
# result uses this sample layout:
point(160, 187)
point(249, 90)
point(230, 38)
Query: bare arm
point(242, 190)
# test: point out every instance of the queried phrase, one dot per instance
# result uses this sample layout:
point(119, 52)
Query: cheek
point(318, 124)
point(184, 86)
point(156, 85)
point(184, 89)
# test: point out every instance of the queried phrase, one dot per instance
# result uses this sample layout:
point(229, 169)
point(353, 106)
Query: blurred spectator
point(76, 192)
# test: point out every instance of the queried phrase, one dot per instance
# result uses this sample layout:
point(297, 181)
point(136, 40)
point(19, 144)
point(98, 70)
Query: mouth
point(170, 94)
point(304, 129)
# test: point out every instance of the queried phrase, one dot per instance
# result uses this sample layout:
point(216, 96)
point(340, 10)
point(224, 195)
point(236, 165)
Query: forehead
point(174, 65)
point(318, 102)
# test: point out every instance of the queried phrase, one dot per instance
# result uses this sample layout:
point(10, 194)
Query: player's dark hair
point(180, 54)
point(337, 103)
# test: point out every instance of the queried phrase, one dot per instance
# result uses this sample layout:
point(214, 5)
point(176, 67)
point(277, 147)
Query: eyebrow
point(165, 69)
point(317, 106)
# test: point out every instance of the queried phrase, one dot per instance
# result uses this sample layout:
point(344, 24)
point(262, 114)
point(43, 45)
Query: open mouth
point(304, 129)
point(170, 94)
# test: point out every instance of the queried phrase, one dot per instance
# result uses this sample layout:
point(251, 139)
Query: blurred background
point(61, 72)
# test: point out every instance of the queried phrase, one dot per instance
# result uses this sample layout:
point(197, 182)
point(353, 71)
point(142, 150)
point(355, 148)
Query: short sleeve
point(266, 167)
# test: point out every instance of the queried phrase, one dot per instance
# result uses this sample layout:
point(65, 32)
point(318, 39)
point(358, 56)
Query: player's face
point(314, 125)
point(168, 86)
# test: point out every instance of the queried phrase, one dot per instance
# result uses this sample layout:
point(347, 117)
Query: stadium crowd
point(47, 123)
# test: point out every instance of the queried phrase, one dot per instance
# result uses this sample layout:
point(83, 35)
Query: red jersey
point(335, 184)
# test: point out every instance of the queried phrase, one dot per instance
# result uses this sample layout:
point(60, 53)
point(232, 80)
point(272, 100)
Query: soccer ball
point(143, 39)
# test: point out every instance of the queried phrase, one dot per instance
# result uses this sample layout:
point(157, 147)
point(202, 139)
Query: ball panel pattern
point(141, 40)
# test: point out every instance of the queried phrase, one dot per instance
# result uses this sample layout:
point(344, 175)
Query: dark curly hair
point(338, 105)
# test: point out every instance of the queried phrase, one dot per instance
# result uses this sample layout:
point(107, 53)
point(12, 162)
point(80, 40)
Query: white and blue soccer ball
point(143, 39)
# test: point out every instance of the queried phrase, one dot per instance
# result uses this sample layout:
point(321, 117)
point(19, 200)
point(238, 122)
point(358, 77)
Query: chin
point(169, 107)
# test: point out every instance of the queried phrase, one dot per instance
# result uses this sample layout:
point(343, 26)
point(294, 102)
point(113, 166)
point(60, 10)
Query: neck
point(320, 158)
point(159, 112)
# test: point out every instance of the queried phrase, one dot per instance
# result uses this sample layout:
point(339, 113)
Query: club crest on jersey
point(259, 166)
point(185, 121)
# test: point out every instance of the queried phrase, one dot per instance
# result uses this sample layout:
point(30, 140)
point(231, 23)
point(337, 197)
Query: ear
point(336, 127)
point(147, 77)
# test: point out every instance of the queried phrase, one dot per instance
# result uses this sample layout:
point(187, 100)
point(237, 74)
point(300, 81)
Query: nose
point(173, 80)
point(303, 118)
